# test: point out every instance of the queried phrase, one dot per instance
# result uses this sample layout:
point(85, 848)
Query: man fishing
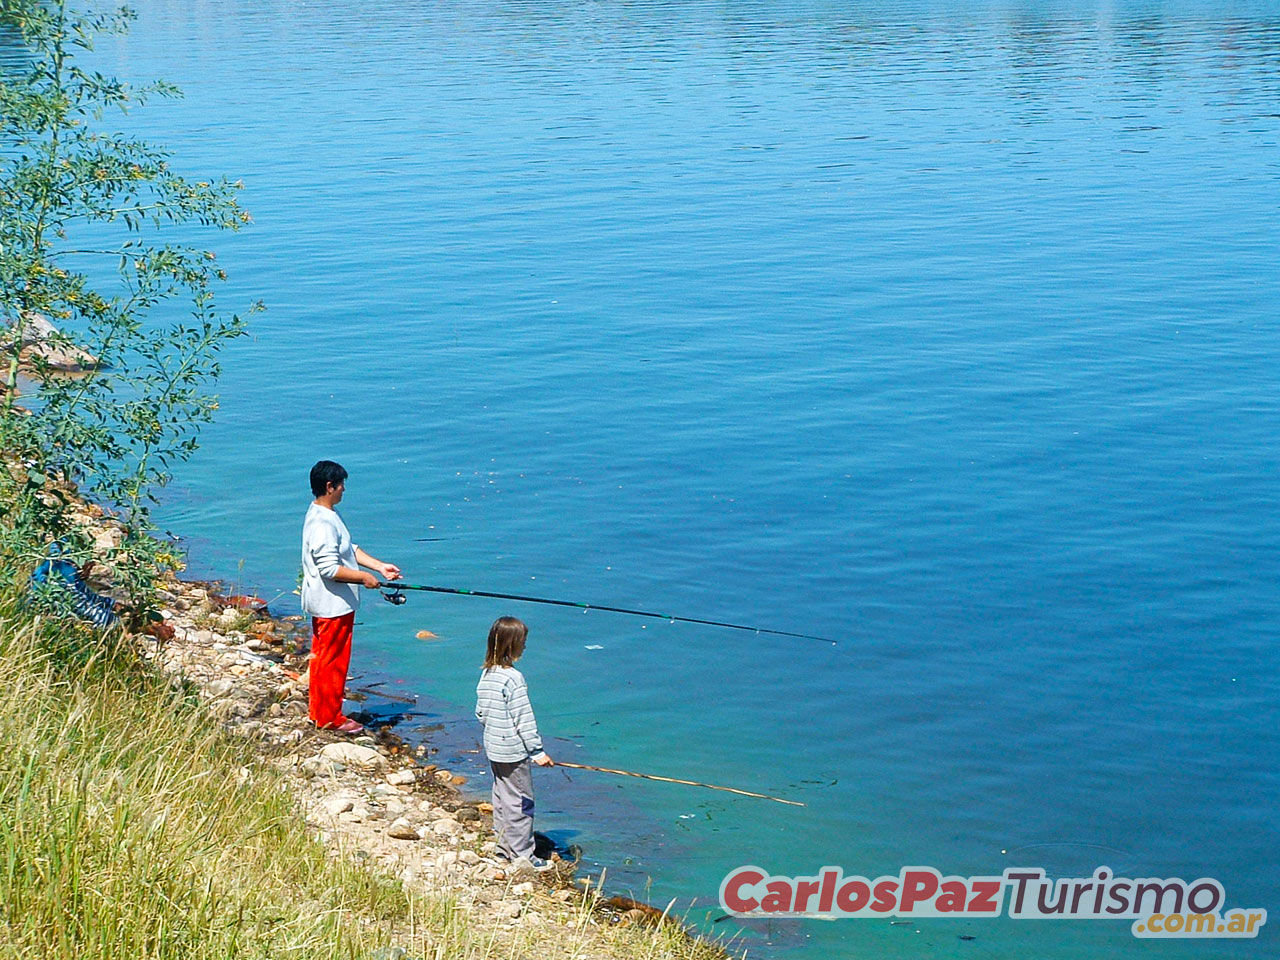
point(331, 578)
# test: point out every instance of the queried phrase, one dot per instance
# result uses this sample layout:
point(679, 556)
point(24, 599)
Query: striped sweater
point(502, 705)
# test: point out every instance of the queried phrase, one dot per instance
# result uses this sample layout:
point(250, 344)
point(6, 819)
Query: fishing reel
point(395, 596)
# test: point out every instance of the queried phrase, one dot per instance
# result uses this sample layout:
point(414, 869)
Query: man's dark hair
point(324, 473)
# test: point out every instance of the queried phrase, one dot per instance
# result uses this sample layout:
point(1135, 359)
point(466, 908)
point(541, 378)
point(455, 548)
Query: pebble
point(402, 829)
point(523, 889)
point(509, 909)
point(337, 805)
point(446, 828)
point(401, 778)
point(322, 766)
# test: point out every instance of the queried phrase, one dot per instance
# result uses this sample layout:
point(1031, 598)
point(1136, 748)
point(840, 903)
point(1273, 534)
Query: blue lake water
point(946, 330)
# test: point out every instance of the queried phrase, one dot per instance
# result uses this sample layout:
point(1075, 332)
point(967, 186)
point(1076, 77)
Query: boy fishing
point(331, 578)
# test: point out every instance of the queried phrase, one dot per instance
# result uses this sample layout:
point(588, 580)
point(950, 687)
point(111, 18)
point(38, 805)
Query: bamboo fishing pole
point(691, 783)
point(396, 597)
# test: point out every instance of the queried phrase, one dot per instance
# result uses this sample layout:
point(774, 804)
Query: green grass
point(130, 827)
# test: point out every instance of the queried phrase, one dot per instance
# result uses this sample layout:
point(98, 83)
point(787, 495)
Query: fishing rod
point(397, 597)
point(691, 783)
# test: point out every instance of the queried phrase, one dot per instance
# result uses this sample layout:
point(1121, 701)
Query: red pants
point(330, 655)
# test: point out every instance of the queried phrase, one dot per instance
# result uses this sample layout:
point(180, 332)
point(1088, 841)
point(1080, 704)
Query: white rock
point(509, 909)
point(354, 755)
point(337, 805)
point(446, 828)
point(469, 857)
point(396, 807)
point(401, 778)
point(523, 889)
point(447, 859)
point(402, 829)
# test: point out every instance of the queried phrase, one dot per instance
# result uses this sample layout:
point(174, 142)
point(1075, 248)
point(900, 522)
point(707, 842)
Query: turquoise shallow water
point(945, 330)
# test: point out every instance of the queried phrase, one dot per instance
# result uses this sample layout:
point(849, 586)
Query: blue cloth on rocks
point(61, 575)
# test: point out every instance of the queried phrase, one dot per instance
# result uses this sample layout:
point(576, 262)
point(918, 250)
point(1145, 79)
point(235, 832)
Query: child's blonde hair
point(507, 637)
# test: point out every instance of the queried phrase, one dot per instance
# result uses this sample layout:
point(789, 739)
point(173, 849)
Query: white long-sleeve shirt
point(326, 546)
point(502, 705)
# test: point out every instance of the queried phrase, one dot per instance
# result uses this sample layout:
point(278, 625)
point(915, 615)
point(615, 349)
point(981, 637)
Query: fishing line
point(395, 596)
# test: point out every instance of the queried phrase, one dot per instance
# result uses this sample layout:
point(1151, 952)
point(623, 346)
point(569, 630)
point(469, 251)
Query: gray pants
point(513, 808)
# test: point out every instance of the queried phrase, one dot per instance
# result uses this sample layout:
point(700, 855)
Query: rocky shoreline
point(368, 794)
point(371, 797)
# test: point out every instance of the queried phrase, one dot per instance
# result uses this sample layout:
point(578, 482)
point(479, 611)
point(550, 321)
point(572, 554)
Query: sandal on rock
point(349, 726)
